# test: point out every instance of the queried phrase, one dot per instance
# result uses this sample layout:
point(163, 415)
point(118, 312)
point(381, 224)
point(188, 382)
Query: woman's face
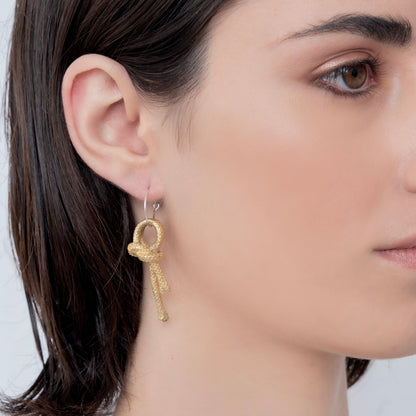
point(296, 172)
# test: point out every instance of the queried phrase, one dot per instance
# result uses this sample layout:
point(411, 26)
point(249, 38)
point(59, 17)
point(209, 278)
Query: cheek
point(290, 177)
point(266, 192)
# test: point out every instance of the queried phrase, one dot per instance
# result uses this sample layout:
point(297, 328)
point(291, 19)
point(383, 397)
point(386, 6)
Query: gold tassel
point(151, 254)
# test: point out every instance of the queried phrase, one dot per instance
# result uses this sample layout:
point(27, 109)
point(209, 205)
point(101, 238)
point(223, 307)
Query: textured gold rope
point(151, 254)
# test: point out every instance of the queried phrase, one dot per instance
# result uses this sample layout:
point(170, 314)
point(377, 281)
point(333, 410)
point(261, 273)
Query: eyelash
point(374, 71)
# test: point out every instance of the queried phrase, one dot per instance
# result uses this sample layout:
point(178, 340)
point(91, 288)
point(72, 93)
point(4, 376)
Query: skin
point(272, 209)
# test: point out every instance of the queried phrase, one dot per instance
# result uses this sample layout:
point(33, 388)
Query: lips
point(405, 256)
point(404, 243)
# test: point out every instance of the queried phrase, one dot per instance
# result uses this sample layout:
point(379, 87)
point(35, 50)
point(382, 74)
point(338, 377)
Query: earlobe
point(108, 123)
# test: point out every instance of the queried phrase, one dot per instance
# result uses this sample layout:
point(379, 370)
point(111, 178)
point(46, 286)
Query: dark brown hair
point(70, 227)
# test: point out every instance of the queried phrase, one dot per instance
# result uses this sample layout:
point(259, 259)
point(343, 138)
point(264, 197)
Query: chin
point(389, 348)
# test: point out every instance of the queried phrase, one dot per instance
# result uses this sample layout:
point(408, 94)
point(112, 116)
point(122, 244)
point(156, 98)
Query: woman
point(274, 146)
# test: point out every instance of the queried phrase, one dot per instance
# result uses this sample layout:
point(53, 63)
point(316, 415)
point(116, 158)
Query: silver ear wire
point(156, 206)
point(145, 202)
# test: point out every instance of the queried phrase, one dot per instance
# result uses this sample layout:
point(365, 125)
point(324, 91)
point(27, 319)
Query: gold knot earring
point(151, 254)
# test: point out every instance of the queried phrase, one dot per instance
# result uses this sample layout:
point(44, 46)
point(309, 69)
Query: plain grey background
point(388, 388)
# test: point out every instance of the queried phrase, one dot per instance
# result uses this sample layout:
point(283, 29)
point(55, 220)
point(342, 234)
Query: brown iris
point(355, 76)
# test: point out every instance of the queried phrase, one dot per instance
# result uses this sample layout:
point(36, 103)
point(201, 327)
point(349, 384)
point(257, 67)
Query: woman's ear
point(110, 126)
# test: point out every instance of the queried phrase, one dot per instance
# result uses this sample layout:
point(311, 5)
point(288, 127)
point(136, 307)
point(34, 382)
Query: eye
point(352, 79)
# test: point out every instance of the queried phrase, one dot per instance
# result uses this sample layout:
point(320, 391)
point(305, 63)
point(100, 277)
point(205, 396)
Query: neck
point(203, 362)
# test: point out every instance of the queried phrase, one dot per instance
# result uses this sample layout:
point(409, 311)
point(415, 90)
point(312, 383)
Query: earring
point(151, 254)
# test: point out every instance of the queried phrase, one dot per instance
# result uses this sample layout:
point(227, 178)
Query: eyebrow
point(389, 30)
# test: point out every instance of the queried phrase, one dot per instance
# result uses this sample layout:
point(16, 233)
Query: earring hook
point(156, 206)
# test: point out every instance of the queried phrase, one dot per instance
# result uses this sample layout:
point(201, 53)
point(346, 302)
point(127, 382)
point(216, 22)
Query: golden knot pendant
point(151, 254)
